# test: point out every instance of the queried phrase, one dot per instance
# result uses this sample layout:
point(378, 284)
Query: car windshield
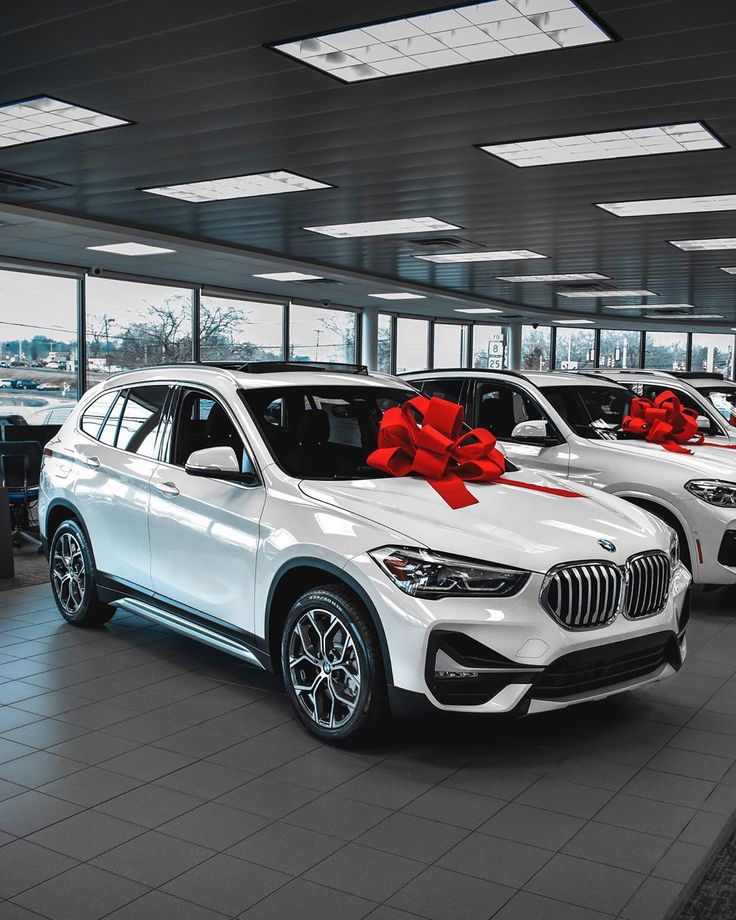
point(723, 398)
point(323, 432)
point(592, 411)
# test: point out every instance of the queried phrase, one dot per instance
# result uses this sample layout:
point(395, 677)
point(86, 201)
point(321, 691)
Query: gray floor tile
point(496, 860)
point(338, 817)
point(690, 763)
point(82, 893)
point(144, 729)
point(618, 846)
point(413, 837)
point(681, 861)
point(24, 864)
point(321, 770)
point(455, 806)
point(527, 906)
point(215, 826)
point(585, 883)
point(156, 905)
point(268, 797)
point(722, 799)
point(95, 715)
point(11, 718)
point(152, 859)
point(90, 786)
point(92, 747)
point(378, 786)
point(364, 872)
point(308, 901)
point(705, 828)
point(226, 884)
point(30, 811)
point(196, 741)
point(38, 768)
point(86, 835)
point(10, 911)
point(146, 762)
point(567, 798)
point(632, 811)
point(150, 805)
point(11, 750)
point(440, 894)
point(588, 771)
point(286, 847)
point(497, 783)
point(205, 779)
point(535, 826)
point(668, 787)
point(44, 733)
point(653, 901)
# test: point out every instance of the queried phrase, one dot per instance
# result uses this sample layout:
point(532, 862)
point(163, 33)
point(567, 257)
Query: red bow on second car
point(424, 436)
point(662, 421)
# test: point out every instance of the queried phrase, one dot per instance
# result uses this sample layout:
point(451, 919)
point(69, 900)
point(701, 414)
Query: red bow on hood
point(662, 421)
point(424, 436)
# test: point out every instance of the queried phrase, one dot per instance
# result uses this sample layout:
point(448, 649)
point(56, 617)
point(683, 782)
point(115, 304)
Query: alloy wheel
point(324, 668)
point(69, 573)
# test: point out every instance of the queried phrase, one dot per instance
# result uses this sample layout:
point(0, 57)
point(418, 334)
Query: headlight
point(674, 548)
point(422, 573)
point(713, 491)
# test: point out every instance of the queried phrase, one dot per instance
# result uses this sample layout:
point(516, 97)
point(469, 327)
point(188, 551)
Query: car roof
point(200, 373)
point(539, 379)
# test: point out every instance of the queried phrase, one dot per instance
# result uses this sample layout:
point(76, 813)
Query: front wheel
point(333, 667)
point(72, 571)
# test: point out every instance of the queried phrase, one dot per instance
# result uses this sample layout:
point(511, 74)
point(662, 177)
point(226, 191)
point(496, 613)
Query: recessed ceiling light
point(670, 206)
point(384, 227)
point(289, 276)
point(621, 293)
point(574, 322)
point(131, 249)
point(271, 183)
point(43, 118)
point(476, 310)
point(729, 271)
point(692, 316)
point(501, 255)
point(571, 276)
point(606, 145)
point(703, 245)
point(648, 306)
point(447, 37)
point(399, 295)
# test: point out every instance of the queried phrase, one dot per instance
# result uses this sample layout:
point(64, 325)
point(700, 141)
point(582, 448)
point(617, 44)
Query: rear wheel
point(332, 665)
point(73, 575)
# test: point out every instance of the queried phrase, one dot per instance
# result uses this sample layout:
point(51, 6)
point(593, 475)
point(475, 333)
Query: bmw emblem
point(607, 545)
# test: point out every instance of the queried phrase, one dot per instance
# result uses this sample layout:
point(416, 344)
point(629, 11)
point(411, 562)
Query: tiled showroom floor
point(143, 777)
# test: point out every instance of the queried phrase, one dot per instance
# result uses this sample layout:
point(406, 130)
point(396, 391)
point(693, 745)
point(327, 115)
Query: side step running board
point(197, 631)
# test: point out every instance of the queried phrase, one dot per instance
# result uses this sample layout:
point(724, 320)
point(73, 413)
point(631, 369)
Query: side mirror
point(217, 463)
point(703, 423)
point(534, 431)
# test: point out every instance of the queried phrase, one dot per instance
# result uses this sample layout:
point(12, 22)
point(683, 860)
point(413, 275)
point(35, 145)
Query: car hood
point(509, 525)
point(703, 462)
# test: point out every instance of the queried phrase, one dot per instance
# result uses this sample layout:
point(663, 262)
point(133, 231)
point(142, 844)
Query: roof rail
point(470, 370)
point(694, 375)
point(270, 367)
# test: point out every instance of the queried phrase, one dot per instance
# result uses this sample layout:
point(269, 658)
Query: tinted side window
point(445, 388)
point(94, 414)
point(141, 419)
point(110, 428)
point(203, 422)
point(500, 408)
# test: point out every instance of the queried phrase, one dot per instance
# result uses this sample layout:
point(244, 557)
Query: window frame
point(554, 435)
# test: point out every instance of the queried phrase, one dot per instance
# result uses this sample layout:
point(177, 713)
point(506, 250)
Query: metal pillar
point(369, 337)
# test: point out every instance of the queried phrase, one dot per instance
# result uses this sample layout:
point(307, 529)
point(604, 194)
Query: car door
point(500, 406)
point(115, 459)
point(204, 532)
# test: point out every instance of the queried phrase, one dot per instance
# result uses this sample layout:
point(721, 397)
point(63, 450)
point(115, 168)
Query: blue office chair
point(20, 471)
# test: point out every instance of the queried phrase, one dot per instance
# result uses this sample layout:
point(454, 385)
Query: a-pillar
point(369, 338)
point(514, 346)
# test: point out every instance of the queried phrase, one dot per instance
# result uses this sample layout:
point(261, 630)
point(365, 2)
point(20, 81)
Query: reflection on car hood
point(509, 525)
point(703, 462)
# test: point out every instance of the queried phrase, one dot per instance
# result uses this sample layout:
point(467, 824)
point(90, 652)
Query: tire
point(73, 577)
point(337, 703)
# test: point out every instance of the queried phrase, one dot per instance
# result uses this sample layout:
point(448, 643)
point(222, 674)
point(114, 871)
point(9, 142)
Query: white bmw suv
point(237, 507)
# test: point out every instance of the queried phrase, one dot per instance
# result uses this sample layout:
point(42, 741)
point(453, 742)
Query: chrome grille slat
point(589, 595)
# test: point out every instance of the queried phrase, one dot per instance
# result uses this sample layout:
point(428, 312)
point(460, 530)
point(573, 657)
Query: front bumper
point(517, 658)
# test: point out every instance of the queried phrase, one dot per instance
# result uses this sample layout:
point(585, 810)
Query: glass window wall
point(385, 331)
point(620, 348)
point(575, 348)
point(666, 351)
point(450, 345)
point(489, 346)
point(321, 334)
point(712, 353)
point(240, 330)
point(535, 348)
point(411, 344)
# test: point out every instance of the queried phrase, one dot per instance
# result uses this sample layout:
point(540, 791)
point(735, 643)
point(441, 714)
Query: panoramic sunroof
point(447, 37)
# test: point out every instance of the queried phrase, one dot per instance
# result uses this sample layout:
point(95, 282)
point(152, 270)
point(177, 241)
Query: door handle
point(92, 462)
point(167, 488)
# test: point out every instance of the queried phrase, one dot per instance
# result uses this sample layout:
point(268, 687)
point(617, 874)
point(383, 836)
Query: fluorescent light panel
point(705, 245)
point(729, 271)
point(573, 322)
point(571, 276)
point(399, 295)
point(649, 306)
point(289, 276)
point(692, 316)
point(384, 227)
point(670, 206)
point(446, 38)
point(606, 145)
point(131, 249)
point(477, 310)
point(501, 255)
point(44, 118)
point(612, 293)
point(271, 183)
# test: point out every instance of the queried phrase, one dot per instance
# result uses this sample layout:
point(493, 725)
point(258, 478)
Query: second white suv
point(238, 508)
point(569, 425)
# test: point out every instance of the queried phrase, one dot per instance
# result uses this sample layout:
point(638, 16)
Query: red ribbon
point(664, 421)
point(424, 436)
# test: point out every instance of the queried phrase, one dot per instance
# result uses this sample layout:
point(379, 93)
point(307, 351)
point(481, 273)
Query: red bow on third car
point(662, 421)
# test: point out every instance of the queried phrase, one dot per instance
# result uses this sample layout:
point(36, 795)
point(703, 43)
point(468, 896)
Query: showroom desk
point(7, 567)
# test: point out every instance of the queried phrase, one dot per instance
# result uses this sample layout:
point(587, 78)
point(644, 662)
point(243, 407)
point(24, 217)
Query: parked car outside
point(25, 383)
point(48, 386)
point(246, 515)
point(569, 425)
point(6, 383)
